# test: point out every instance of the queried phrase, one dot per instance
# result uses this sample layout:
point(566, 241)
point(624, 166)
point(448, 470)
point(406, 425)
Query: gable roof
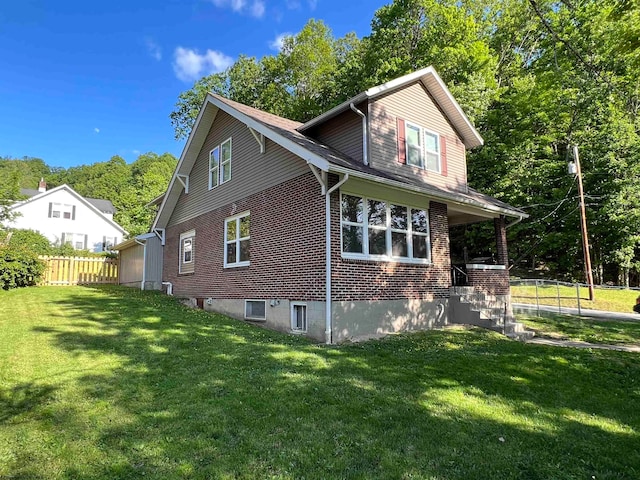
point(87, 201)
point(434, 85)
point(288, 134)
point(105, 206)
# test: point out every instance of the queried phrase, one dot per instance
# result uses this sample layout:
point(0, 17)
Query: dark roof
point(287, 128)
point(105, 206)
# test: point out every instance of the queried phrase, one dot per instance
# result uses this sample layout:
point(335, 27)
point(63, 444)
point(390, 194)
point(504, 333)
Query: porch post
point(500, 226)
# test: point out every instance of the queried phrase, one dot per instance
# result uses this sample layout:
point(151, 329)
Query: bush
point(32, 240)
point(19, 267)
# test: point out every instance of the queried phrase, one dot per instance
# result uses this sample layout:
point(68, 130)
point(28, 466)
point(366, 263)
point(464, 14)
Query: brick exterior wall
point(500, 227)
point(494, 282)
point(354, 280)
point(287, 247)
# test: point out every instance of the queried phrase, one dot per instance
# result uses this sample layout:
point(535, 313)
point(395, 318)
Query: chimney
point(42, 186)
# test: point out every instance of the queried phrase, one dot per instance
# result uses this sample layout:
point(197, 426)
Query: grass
point(606, 299)
point(577, 328)
point(110, 383)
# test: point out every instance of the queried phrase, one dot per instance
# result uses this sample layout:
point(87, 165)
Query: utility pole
point(583, 224)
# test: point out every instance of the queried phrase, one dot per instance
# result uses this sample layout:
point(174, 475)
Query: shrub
point(34, 241)
point(19, 267)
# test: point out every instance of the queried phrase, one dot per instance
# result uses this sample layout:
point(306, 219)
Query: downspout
point(517, 220)
point(144, 262)
point(328, 309)
point(365, 153)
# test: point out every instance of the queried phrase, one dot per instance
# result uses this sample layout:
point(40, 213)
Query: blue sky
point(82, 81)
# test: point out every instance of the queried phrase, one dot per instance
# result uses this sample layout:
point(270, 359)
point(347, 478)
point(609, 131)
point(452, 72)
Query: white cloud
point(312, 4)
point(293, 4)
point(276, 43)
point(136, 152)
point(153, 48)
point(189, 65)
point(256, 9)
point(97, 130)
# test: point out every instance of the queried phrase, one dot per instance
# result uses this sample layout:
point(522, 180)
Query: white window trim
point(306, 317)
point(219, 174)
point(255, 300)
point(236, 218)
point(407, 126)
point(183, 236)
point(423, 147)
point(365, 233)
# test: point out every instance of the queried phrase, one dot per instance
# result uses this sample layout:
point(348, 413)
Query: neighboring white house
point(64, 216)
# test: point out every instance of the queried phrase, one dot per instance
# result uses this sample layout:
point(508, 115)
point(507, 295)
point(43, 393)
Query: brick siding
point(354, 280)
point(287, 247)
point(494, 282)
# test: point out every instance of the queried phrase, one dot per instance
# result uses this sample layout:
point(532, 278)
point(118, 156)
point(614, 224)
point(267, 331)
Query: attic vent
point(255, 309)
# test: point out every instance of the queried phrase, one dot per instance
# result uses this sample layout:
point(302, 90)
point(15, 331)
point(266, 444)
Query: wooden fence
point(79, 271)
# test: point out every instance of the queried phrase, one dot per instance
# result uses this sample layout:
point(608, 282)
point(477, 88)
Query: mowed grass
point(606, 299)
point(110, 383)
point(572, 327)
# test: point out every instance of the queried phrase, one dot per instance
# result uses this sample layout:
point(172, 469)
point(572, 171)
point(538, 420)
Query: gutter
point(516, 221)
point(365, 152)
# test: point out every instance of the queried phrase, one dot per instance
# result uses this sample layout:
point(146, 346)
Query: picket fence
point(79, 270)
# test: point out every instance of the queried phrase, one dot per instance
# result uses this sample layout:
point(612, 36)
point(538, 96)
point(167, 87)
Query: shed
point(141, 262)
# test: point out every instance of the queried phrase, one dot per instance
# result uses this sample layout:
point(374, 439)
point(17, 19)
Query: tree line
point(129, 186)
point(535, 76)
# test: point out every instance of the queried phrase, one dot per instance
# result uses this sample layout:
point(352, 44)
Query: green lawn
point(114, 383)
point(578, 328)
point(606, 299)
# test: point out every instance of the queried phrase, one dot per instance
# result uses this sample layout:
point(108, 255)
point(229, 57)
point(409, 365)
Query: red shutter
point(402, 146)
point(443, 155)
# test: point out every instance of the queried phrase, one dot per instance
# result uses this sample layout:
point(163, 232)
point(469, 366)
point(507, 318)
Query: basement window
point(299, 317)
point(255, 309)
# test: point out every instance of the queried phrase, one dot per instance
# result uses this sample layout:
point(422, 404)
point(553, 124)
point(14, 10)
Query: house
point(64, 216)
point(337, 228)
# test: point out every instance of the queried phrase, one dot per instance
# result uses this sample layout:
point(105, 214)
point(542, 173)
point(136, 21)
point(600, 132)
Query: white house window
point(62, 210)
point(77, 240)
point(423, 148)
point(187, 252)
point(255, 309)
point(237, 240)
point(379, 230)
point(298, 317)
point(220, 164)
point(108, 243)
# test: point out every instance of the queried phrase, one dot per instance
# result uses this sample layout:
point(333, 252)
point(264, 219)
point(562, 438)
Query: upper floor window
point(236, 240)
point(62, 210)
point(381, 230)
point(422, 148)
point(220, 164)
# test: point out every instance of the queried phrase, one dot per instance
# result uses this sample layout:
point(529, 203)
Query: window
point(255, 309)
point(299, 317)
point(384, 231)
point(236, 240)
point(220, 164)
point(108, 243)
point(77, 240)
point(423, 148)
point(62, 210)
point(187, 240)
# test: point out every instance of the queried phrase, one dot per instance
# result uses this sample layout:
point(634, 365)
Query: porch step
point(469, 306)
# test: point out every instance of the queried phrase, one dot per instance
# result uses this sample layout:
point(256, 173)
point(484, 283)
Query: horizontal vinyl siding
point(415, 105)
point(343, 132)
point(154, 260)
point(251, 171)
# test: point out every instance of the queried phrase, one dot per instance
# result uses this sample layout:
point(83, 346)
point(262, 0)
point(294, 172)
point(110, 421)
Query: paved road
point(597, 314)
